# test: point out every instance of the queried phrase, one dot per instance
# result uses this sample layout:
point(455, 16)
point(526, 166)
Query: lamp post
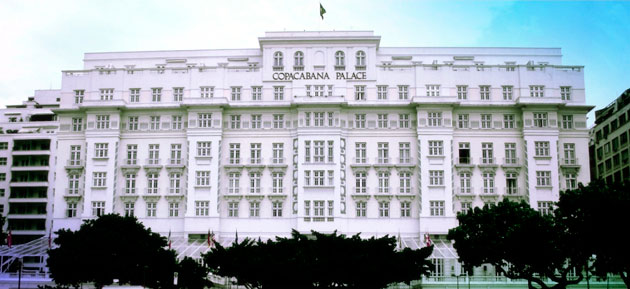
point(19, 272)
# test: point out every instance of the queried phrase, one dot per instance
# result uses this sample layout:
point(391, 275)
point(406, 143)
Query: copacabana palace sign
point(318, 75)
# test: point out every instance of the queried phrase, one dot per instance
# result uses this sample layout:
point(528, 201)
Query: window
point(462, 121)
point(277, 61)
point(254, 209)
point(133, 123)
point(319, 118)
point(462, 92)
point(360, 59)
point(403, 120)
point(510, 153)
point(100, 150)
point(307, 178)
point(433, 90)
point(73, 184)
point(254, 155)
point(508, 121)
point(331, 155)
point(436, 148)
point(276, 209)
point(436, 178)
point(151, 209)
point(254, 182)
point(71, 211)
point(565, 92)
point(405, 209)
point(298, 58)
point(536, 91)
point(567, 121)
point(383, 209)
point(540, 119)
point(177, 123)
point(205, 120)
point(486, 121)
point(330, 90)
point(277, 182)
point(360, 153)
point(507, 92)
point(383, 152)
point(235, 153)
point(278, 121)
point(234, 183)
point(361, 181)
point(435, 119)
point(571, 181)
point(465, 207)
point(178, 94)
point(77, 124)
point(541, 148)
point(129, 208)
point(175, 181)
point(134, 95)
point(154, 154)
point(484, 92)
point(278, 92)
point(382, 120)
point(488, 182)
point(130, 183)
point(4, 145)
point(543, 178)
point(277, 153)
point(155, 122)
point(256, 93)
point(78, 96)
point(318, 178)
point(361, 209)
point(511, 183)
point(3, 177)
point(204, 148)
point(464, 153)
point(132, 154)
point(206, 91)
point(236, 93)
point(403, 92)
point(545, 208)
point(319, 90)
point(233, 209)
point(202, 179)
point(359, 121)
point(202, 208)
point(152, 183)
point(256, 121)
point(235, 121)
point(3, 161)
point(381, 91)
point(156, 94)
point(339, 60)
point(307, 119)
point(464, 182)
point(99, 179)
point(318, 155)
point(569, 154)
point(330, 118)
point(98, 208)
point(359, 92)
point(307, 151)
point(436, 208)
point(405, 182)
point(404, 150)
point(102, 122)
point(107, 93)
point(383, 182)
point(173, 209)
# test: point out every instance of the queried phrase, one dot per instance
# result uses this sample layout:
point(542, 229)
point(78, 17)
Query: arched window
point(299, 58)
point(339, 58)
point(277, 59)
point(360, 58)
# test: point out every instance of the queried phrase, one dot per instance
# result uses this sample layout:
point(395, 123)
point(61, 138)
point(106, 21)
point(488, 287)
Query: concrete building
point(609, 141)
point(317, 131)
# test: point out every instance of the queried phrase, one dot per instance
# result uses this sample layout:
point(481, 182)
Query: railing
point(176, 162)
point(130, 191)
point(489, 190)
point(464, 190)
point(360, 190)
point(277, 161)
point(151, 191)
point(234, 190)
point(254, 190)
point(277, 190)
point(463, 161)
point(383, 190)
point(175, 190)
point(130, 162)
point(362, 160)
point(404, 190)
point(234, 161)
point(486, 161)
point(511, 161)
point(75, 163)
point(153, 162)
point(570, 161)
point(74, 191)
point(404, 161)
point(382, 160)
point(254, 161)
point(511, 190)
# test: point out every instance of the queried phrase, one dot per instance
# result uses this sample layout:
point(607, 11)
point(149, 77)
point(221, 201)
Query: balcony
point(153, 164)
point(175, 193)
point(403, 190)
point(233, 163)
point(277, 163)
point(487, 162)
point(73, 192)
point(489, 192)
point(464, 192)
point(383, 162)
point(511, 163)
point(233, 193)
point(254, 190)
point(465, 162)
point(405, 162)
point(512, 193)
point(75, 164)
point(359, 192)
point(277, 190)
point(359, 163)
point(255, 163)
point(177, 163)
point(570, 163)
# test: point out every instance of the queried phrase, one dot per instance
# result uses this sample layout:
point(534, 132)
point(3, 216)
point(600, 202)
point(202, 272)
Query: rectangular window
point(254, 153)
point(154, 154)
point(403, 120)
point(318, 155)
point(277, 182)
point(75, 155)
point(206, 91)
point(4, 145)
point(383, 209)
point(77, 124)
point(405, 182)
point(277, 153)
point(488, 183)
point(132, 123)
point(132, 154)
point(565, 92)
point(134, 95)
point(404, 150)
point(487, 153)
point(318, 178)
point(436, 148)
point(202, 208)
point(3, 161)
point(359, 121)
point(464, 182)
point(102, 122)
point(381, 92)
point(361, 209)
point(175, 182)
point(235, 153)
point(383, 152)
point(98, 209)
point(71, 211)
point(510, 153)
point(567, 121)
point(382, 120)
point(99, 179)
point(433, 90)
point(331, 155)
point(569, 154)
point(176, 122)
point(151, 209)
point(545, 208)
point(319, 90)
point(543, 178)
point(78, 96)
point(205, 120)
point(256, 121)
point(278, 121)
point(536, 91)
point(234, 183)
point(330, 118)
point(465, 207)
point(435, 119)
point(107, 93)
point(233, 209)
point(202, 179)
point(484, 92)
point(436, 178)
point(507, 92)
point(101, 150)
point(276, 209)
point(236, 93)
point(235, 121)
point(359, 92)
point(540, 119)
point(486, 121)
point(436, 208)
point(383, 182)
point(278, 93)
point(403, 92)
point(508, 121)
point(256, 93)
point(360, 153)
point(173, 209)
point(405, 209)
point(155, 122)
point(204, 148)
point(541, 148)
point(152, 183)
point(319, 118)
point(178, 94)
point(73, 184)
point(156, 94)
point(254, 209)
point(462, 92)
point(254, 182)
point(361, 181)
point(571, 181)
point(462, 121)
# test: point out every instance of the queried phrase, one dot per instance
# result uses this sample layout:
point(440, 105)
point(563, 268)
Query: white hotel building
point(316, 131)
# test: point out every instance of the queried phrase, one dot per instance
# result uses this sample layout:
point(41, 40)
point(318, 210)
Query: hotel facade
point(317, 131)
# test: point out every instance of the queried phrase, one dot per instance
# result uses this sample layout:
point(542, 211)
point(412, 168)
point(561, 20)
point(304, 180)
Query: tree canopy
point(319, 261)
point(595, 217)
point(112, 247)
point(519, 242)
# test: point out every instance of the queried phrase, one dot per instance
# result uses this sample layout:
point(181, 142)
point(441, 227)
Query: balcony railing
point(233, 190)
point(489, 190)
point(404, 190)
point(464, 190)
point(75, 163)
point(277, 161)
point(234, 161)
point(130, 162)
point(487, 161)
point(175, 190)
point(383, 190)
point(176, 162)
point(277, 190)
point(511, 190)
point(153, 162)
point(569, 162)
point(464, 161)
point(360, 190)
point(74, 191)
point(130, 191)
point(254, 161)
point(511, 161)
point(254, 190)
point(382, 160)
point(151, 191)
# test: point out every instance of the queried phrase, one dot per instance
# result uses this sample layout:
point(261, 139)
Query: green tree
point(591, 215)
point(319, 261)
point(519, 242)
point(112, 247)
point(3, 234)
point(192, 274)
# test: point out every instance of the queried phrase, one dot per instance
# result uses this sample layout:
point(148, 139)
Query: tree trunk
point(626, 278)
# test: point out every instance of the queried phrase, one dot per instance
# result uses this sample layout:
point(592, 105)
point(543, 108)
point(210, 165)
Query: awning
point(441, 249)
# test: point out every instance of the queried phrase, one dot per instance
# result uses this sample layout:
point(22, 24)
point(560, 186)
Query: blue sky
point(41, 38)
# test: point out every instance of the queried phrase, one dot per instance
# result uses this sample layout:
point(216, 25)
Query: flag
point(236, 237)
point(399, 242)
point(10, 239)
point(169, 239)
point(50, 238)
point(211, 239)
point(321, 11)
point(427, 239)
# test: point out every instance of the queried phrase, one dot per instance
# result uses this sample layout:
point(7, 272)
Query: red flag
point(169, 239)
point(10, 239)
point(211, 239)
point(427, 239)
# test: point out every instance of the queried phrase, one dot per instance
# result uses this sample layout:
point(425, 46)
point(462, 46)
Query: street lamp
point(19, 260)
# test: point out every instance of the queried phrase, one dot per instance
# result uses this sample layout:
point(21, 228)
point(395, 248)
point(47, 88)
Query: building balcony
point(511, 163)
point(233, 162)
point(75, 164)
point(403, 190)
point(152, 191)
point(277, 190)
point(177, 163)
point(360, 192)
point(153, 163)
point(570, 163)
point(489, 192)
point(175, 190)
point(254, 190)
point(31, 152)
point(31, 167)
point(405, 162)
point(233, 192)
point(465, 162)
point(487, 162)
point(359, 162)
point(73, 192)
point(383, 162)
point(29, 183)
point(254, 163)
point(277, 163)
